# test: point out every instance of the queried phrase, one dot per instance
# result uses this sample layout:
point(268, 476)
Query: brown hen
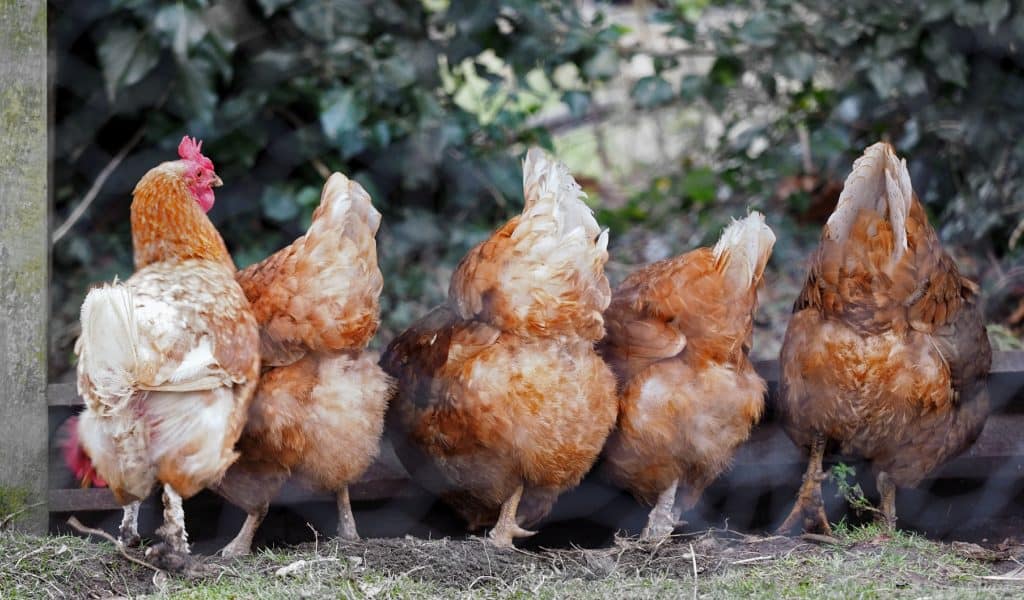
point(679, 333)
point(168, 360)
point(886, 352)
point(319, 409)
point(502, 402)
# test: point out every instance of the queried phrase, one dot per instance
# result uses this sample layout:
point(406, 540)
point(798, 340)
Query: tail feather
point(744, 248)
point(108, 345)
point(880, 182)
point(321, 293)
point(543, 273)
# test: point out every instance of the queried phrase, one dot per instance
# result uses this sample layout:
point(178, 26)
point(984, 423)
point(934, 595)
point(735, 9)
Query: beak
point(217, 182)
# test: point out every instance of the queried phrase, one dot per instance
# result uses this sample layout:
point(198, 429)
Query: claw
point(506, 529)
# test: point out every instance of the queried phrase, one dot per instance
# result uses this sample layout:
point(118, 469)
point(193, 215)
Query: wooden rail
point(998, 452)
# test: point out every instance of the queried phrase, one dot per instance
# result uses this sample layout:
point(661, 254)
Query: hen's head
point(199, 174)
point(75, 458)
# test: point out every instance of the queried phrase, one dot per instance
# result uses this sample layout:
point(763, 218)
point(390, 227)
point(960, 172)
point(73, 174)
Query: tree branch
point(97, 185)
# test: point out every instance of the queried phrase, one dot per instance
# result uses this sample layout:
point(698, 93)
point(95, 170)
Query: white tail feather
point(559, 235)
point(108, 343)
point(746, 244)
point(879, 181)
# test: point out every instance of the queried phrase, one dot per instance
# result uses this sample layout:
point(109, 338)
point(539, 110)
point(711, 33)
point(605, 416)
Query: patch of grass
point(13, 501)
point(868, 562)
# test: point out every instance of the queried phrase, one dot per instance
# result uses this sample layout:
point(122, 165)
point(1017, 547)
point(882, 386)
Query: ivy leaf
point(577, 101)
point(760, 31)
point(953, 70)
point(651, 91)
point(885, 78)
point(183, 26)
point(197, 96)
point(126, 56)
point(995, 11)
point(798, 65)
point(341, 112)
point(691, 86)
point(278, 205)
point(603, 65)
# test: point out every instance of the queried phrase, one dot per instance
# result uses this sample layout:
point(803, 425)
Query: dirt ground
point(858, 562)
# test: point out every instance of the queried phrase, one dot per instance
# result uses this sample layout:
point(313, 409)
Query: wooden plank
point(98, 499)
point(63, 394)
point(24, 262)
point(1009, 363)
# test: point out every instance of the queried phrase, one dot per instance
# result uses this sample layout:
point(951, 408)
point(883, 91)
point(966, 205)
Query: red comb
point(191, 149)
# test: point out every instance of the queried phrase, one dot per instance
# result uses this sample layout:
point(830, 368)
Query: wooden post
point(24, 264)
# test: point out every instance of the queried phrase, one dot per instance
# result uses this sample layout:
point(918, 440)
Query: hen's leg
point(172, 553)
point(346, 520)
point(242, 544)
point(809, 510)
point(686, 498)
point(173, 530)
point(129, 532)
point(887, 489)
point(507, 529)
point(662, 520)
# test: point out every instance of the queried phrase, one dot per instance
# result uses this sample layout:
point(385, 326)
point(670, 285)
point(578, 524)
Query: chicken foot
point(172, 553)
point(887, 489)
point(507, 528)
point(662, 518)
point(242, 544)
point(809, 510)
point(346, 520)
point(129, 532)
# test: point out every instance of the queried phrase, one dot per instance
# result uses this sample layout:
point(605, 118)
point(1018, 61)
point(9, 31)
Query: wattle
point(204, 197)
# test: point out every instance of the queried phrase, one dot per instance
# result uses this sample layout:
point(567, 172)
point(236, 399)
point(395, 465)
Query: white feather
point(879, 181)
point(109, 342)
point(746, 244)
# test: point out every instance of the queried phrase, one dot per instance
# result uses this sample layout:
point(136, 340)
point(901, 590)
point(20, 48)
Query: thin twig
point(97, 185)
point(693, 557)
point(750, 560)
point(77, 525)
point(821, 539)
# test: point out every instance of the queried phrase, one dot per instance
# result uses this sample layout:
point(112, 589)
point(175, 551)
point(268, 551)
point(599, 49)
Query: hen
point(168, 360)
point(502, 402)
point(319, 411)
point(886, 352)
point(679, 333)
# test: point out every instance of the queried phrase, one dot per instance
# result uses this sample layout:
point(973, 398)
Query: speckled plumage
point(319, 411)
point(168, 360)
point(886, 352)
point(678, 336)
point(500, 389)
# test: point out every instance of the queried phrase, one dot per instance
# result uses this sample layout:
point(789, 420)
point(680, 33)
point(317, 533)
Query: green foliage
point(13, 502)
point(943, 81)
point(424, 103)
point(845, 478)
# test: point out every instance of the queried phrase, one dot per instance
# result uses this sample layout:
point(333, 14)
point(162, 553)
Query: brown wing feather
point(321, 293)
point(680, 302)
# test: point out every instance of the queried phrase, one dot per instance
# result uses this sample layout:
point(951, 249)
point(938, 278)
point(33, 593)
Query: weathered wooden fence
point(24, 262)
point(1000, 447)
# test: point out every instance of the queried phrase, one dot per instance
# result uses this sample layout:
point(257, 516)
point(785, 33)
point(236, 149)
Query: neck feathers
point(168, 224)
